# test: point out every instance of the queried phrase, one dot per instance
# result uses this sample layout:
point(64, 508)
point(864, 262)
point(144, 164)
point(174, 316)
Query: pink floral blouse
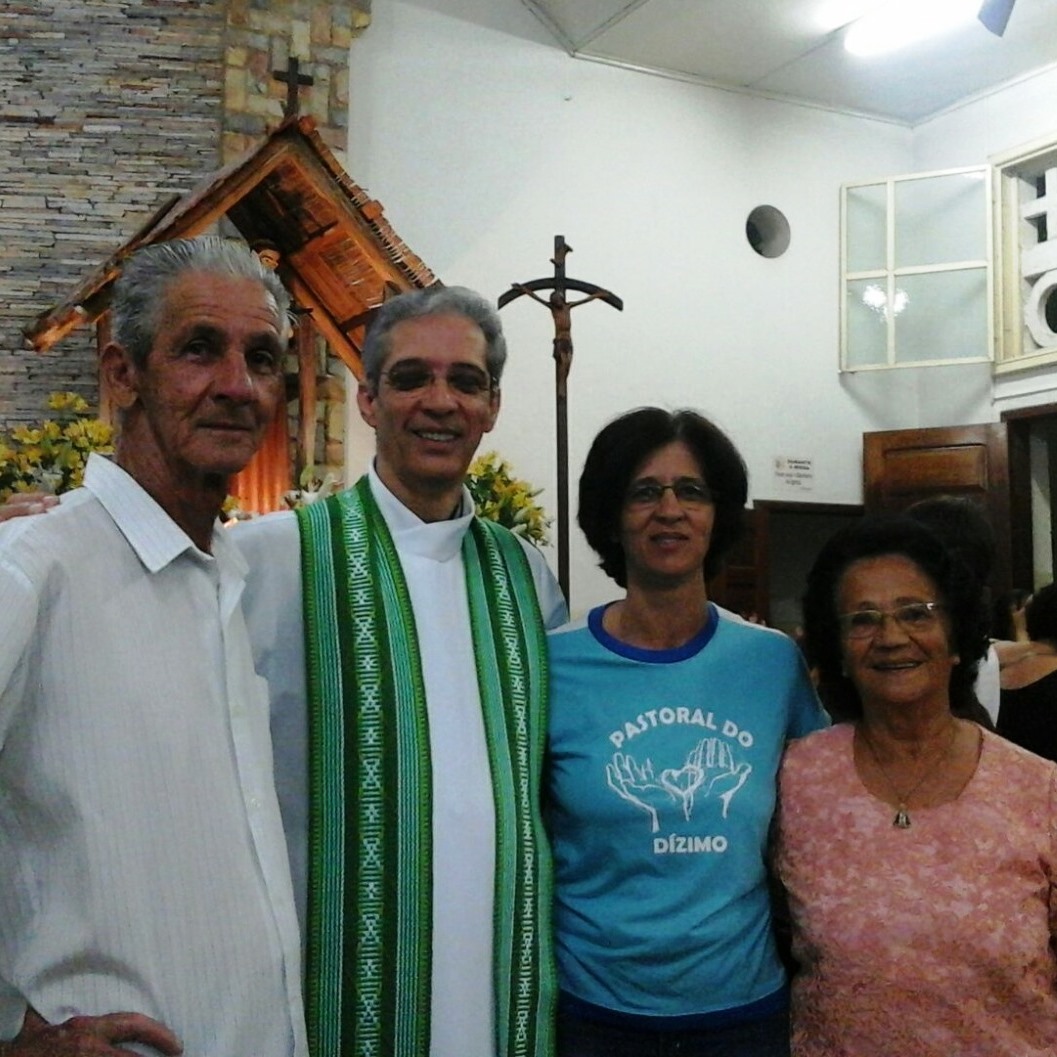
point(932, 941)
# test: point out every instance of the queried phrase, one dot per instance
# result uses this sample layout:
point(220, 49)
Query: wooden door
point(788, 538)
point(765, 573)
point(904, 465)
point(1025, 427)
point(737, 585)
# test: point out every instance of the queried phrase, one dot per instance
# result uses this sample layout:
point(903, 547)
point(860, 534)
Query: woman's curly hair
point(958, 589)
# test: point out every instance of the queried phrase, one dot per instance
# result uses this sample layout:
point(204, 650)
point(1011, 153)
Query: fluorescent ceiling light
point(901, 22)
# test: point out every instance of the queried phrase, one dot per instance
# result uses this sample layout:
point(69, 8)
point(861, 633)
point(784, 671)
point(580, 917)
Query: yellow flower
point(69, 402)
point(52, 454)
point(50, 430)
point(501, 497)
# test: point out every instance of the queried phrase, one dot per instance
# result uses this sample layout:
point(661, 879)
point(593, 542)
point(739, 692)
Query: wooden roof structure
point(339, 256)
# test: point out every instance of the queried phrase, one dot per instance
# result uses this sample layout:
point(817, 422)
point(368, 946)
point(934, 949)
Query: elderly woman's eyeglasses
point(687, 490)
point(411, 376)
point(912, 617)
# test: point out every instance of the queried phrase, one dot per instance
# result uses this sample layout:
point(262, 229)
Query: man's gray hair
point(139, 291)
point(434, 301)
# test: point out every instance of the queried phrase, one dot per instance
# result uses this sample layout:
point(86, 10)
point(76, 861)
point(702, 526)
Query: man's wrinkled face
point(213, 380)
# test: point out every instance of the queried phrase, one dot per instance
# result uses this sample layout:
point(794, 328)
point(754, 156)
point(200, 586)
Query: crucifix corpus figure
point(561, 310)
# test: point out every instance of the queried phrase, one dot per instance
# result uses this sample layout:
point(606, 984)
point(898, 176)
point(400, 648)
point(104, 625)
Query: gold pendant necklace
point(902, 815)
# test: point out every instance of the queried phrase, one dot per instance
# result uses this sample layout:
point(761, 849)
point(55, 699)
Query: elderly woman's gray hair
point(140, 290)
point(434, 301)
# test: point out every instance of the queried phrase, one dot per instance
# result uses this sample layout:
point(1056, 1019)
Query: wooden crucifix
point(561, 309)
point(293, 79)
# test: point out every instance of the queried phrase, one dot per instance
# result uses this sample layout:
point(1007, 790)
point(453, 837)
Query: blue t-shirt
point(661, 788)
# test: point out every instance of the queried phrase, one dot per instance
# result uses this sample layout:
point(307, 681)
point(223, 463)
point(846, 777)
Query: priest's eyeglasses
point(912, 617)
point(689, 491)
point(411, 376)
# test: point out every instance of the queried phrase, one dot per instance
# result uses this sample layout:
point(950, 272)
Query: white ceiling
point(786, 48)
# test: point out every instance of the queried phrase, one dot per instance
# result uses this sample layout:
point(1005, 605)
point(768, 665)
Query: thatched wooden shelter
point(338, 256)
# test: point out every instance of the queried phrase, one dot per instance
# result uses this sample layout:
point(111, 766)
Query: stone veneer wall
point(261, 37)
point(109, 107)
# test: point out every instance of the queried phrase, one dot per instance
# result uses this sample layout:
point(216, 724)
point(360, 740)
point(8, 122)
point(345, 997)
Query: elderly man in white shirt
point(142, 860)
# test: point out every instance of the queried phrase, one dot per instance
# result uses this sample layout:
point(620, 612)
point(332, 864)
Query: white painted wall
point(972, 134)
point(483, 143)
point(993, 123)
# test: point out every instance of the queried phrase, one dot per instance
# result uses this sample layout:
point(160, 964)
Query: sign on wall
point(794, 476)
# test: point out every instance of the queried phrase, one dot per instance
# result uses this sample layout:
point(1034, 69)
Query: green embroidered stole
point(370, 835)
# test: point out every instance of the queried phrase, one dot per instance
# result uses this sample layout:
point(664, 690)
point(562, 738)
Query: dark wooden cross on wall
point(293, 79)
point(557, 301)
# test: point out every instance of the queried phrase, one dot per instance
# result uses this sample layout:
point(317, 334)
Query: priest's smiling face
point(433, 403)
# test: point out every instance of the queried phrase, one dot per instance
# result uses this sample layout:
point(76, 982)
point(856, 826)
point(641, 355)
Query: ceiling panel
point(793, 48)
point(734, 43)
point(579, 20)
point(924, 78)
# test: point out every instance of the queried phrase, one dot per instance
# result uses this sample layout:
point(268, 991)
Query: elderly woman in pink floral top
point(918, 851)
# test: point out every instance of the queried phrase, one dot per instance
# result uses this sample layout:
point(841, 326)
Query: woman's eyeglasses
point(687, 490)
point(913, 617)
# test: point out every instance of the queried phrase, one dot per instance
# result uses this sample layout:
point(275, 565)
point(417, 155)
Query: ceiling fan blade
point(994, 14)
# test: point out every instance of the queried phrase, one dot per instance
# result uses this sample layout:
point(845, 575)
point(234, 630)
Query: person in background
point(1028, 715)
point(967, 534)
point(1009, 627)
point(142, 860)
point(918, 850)
point(1008, 618)
point(667, 724)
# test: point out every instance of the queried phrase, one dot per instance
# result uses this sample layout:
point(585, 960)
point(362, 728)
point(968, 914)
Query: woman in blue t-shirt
point(668, 719)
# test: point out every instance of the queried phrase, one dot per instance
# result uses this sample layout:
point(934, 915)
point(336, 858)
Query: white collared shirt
point(463, 813)
point(142, 860)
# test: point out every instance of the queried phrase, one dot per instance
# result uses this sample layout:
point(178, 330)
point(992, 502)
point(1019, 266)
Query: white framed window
point(1025, 189)
point(916, 271)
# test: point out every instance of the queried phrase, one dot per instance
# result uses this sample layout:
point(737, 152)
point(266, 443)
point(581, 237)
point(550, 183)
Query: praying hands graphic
point(709, 771)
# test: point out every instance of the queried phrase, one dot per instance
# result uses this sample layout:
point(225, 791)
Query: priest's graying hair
point(434, 301)
point(139, 291)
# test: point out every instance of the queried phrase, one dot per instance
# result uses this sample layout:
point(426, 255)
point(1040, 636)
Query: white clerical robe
point(463, 815)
